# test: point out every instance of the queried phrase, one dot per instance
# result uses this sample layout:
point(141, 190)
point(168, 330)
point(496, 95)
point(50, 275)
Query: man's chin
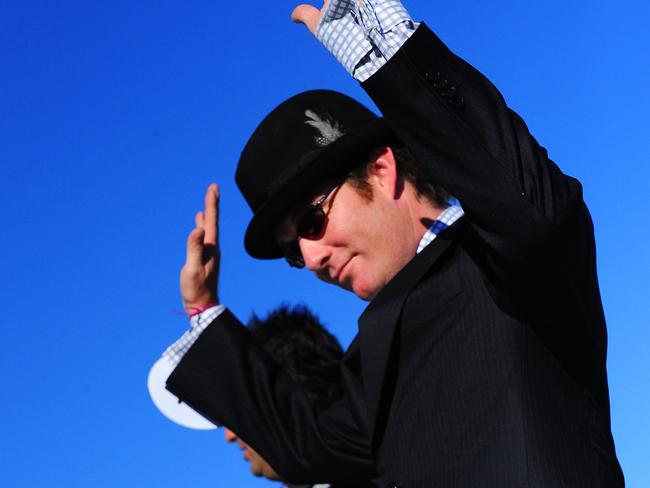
point(362, 292)
point(355, 285)
point(264, 472)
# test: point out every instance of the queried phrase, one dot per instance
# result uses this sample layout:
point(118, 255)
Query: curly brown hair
point(311, 356)
point(412, 172)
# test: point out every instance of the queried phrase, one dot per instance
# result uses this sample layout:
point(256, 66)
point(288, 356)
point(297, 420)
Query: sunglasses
point(310, 225)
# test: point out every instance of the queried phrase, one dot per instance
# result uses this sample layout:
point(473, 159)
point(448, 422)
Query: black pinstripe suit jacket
point(482, 363)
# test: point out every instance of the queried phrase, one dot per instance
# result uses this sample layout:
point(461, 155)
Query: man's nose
point(229, 435)
point(315, 254)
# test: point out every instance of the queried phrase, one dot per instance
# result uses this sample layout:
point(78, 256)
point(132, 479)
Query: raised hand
point(200, 273)
point(308, 15)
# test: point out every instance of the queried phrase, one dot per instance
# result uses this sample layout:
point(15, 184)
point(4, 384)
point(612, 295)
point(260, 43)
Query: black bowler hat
point(304, 143)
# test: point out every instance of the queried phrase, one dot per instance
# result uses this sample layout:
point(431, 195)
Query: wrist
point(198, 302)
point(192, 310)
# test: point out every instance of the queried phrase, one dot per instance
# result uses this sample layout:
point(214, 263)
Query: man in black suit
point(480, 360)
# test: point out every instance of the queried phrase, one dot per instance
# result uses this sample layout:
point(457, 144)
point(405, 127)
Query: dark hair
point(311, 356)
point(410, 169)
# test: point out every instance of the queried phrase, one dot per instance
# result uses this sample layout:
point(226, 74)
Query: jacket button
point(451, 91)
point(457, 101)
point(442, 85)
point(433, 78)
point(392, 484)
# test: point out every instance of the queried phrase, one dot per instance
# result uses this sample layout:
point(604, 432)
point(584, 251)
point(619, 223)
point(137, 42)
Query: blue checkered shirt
point(448, 216)
point(364, 34)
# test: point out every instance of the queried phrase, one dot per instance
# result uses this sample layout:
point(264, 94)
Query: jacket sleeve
point(456, 123)
point(532, 235)
point(227, 378)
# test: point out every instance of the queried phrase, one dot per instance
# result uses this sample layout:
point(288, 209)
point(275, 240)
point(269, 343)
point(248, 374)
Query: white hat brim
point(168, 404)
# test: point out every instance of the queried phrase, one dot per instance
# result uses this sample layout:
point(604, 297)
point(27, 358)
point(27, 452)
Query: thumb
point(195, 246)
point(307, 15)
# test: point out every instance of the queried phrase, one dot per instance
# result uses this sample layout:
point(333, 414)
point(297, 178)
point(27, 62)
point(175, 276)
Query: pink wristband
point(198, 310)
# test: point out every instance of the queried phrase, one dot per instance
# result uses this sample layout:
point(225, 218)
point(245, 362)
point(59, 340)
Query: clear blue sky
point(114, 118)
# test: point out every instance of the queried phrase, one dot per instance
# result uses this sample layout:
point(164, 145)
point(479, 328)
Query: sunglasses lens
point(311, 224)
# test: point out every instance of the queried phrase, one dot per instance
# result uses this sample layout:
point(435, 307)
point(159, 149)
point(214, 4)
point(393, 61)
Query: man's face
point(364, 243)
point(259, 466)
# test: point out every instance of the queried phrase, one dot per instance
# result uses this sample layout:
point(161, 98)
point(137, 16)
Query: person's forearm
point(229, 379)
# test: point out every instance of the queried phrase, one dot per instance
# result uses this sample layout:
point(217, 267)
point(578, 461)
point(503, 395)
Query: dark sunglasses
point(309, 225)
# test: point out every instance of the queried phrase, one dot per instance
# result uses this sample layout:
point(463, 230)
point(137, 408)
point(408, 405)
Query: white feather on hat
point(329, 131)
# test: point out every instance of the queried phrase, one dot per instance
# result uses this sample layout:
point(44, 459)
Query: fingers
point(308, 15)
point(211, 215)
point(195, 247)
point(204, 237)
point(199, 275)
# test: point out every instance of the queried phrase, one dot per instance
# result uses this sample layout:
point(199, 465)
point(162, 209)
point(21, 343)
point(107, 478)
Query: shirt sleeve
point(364, 34)
point(198, 323)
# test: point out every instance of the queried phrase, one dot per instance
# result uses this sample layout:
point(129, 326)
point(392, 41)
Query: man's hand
point(309, 15)
point(200, 273)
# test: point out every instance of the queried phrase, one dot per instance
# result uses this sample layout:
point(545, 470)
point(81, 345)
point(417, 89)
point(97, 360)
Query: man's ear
point(382, 172)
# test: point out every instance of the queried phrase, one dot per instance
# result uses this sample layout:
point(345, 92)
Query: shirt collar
point(448, 216)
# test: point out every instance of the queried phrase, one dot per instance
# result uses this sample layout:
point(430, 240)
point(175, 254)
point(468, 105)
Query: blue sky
point(114, 118)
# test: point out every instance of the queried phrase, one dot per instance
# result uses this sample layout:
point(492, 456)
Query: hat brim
point(317, 169)
point(170, 406)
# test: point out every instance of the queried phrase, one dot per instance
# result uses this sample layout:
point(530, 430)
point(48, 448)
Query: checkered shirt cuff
point(198, 323)
point(364, 34)
point(448, 216)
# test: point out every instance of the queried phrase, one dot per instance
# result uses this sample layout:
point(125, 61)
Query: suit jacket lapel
point(378, 323)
